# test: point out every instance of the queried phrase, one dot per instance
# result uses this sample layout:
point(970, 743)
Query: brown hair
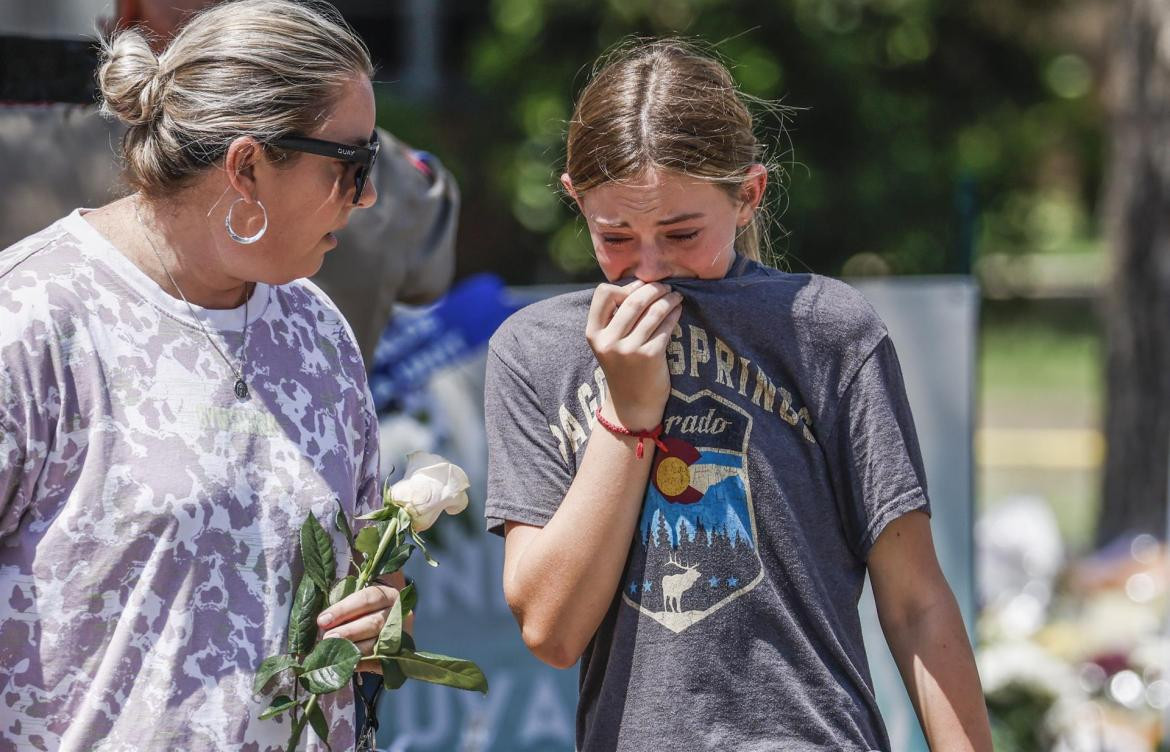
point(665, 104)
point(260, 68)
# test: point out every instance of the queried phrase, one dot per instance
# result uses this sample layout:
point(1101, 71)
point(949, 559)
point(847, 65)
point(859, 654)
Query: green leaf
point(392, 676)
point(392, 561)
point(341, 522)
point(409, 596)
point(272, 666)
point(278, 706)
point(317, 553)
point(320, 725)
point(441, 669)
point(302, 623)
point(369, 537)
point(342, 588)
point(390, 638)
point(418, 541)
point(380, 514)
point(330, 666)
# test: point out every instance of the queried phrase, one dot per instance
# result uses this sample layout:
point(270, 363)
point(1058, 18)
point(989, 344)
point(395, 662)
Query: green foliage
point(368, 538)
point(319, 724)
point(279, 705)
point(900, 103)
point(317, 553)
point(330, 666)
point(1015, 713)
point(302, 625)
point(270, 668)
point(341, 522)
point(392, 561)
point(409, 596)
point(390, 638)
point(342, 588)
point(392, 675)
point(331, 663)
point(441, 669)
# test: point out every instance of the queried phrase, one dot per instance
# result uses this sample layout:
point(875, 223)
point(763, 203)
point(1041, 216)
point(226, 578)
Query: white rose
point(432, 485)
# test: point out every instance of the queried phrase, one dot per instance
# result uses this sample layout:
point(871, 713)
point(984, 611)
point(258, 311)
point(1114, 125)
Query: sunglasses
point(363, 156)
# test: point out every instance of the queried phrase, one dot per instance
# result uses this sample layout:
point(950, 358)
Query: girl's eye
point(614, 239)
point(682, 237)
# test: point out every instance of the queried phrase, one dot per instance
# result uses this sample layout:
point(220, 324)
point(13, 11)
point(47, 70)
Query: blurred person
point(60, 156)
point(694, 488)
point(176, 398)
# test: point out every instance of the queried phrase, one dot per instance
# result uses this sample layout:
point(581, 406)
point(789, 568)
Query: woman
point(693, 492)
point(175, 397)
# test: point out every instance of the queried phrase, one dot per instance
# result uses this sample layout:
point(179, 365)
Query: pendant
point(241, 389)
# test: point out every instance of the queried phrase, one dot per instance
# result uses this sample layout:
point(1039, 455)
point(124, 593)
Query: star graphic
point(713, 582)
point(647, 586)
point(633, 588)
point(732, 582)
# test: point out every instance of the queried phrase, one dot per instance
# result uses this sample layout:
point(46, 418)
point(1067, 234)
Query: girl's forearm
point(938, 668)
point(565, 578)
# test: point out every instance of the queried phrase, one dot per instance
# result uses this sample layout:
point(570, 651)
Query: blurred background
point(1017, 146)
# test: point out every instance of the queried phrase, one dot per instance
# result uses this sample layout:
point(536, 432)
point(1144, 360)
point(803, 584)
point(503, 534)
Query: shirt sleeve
point(528, 476)
point(13, 492)
point(873, 452)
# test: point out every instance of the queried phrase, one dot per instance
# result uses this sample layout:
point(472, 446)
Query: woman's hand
point(629, 328)
point(359, 618)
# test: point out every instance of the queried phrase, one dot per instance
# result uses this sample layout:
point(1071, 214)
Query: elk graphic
point(674, 585)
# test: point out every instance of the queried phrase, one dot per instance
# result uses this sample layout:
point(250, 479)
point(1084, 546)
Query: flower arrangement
point(430, 487)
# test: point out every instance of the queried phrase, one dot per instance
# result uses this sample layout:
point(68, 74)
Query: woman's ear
point(239, 164)
point(751, 193)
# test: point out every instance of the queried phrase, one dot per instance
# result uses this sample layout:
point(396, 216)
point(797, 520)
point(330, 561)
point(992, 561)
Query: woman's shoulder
point(47, 252)
point(42, 275)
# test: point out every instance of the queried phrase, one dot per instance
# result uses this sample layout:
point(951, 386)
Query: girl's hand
point(629, 328)
point(359, 618)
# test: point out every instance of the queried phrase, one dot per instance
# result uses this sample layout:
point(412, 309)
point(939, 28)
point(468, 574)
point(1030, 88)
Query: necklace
point(241, 387)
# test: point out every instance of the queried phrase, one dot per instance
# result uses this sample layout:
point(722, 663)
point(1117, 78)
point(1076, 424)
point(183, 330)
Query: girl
point(693, 492)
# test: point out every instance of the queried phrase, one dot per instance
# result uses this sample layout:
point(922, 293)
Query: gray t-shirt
point(148, 519)
point(790, 447)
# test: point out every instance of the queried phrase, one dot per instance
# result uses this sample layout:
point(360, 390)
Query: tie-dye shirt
point(148, 518)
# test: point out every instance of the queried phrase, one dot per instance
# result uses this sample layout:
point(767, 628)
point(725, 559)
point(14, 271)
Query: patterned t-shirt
point(149, 518)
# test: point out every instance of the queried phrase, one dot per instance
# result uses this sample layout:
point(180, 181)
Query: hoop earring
point(241, 239)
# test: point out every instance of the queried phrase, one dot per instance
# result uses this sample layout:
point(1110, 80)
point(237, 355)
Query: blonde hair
point(665, 104)
point(260, 68)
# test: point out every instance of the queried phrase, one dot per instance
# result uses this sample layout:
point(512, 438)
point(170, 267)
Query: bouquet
point(430, 487)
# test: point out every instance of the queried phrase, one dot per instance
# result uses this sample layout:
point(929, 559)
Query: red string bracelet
point(641, 436)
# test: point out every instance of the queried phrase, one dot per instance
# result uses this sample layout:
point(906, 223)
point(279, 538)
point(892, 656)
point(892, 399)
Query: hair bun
point(128, 78)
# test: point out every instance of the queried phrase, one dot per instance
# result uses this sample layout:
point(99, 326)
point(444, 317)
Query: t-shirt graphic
point(695, 549)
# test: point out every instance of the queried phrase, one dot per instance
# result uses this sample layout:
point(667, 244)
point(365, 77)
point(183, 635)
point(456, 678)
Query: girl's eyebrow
point(661, 223)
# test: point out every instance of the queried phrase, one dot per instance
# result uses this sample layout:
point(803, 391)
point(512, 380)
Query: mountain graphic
point(722, 510)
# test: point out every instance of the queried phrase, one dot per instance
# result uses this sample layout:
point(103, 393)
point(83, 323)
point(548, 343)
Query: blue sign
point(419, 343)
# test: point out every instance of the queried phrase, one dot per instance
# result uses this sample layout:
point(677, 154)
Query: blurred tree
point(900, 102)
point(1138, 308)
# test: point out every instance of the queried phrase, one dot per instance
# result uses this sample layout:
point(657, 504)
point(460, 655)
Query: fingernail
point(329, 635)
point(324, 619)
